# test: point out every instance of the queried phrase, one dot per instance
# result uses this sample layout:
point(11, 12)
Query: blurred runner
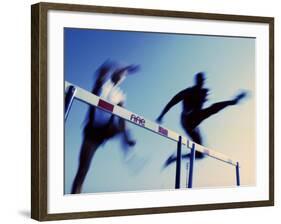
point(193, 113)
point(101, 126)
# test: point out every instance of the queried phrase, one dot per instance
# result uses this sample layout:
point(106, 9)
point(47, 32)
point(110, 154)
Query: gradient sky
point(168, 63)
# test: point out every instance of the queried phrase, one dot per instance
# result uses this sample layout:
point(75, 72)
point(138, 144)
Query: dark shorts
point(191, 120)
point(102, 133)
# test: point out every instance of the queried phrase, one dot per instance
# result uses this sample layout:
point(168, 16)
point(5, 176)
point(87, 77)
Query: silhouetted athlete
point(101, 126)
point(193, 113)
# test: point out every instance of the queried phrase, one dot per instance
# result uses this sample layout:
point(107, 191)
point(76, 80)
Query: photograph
point(201, 88)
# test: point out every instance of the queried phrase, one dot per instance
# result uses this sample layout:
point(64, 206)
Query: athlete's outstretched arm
point(175, 100)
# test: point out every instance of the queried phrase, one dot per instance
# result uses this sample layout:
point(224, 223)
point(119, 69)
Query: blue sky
point(168, 63)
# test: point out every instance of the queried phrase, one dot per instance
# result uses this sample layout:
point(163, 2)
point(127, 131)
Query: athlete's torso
point(194, 99)
point(113, 94)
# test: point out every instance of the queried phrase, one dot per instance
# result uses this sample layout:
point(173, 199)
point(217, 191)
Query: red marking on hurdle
point(105, 105)
point(163, 131)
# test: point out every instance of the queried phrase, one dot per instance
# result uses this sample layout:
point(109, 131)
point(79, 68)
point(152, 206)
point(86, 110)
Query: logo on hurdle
point(137, 120)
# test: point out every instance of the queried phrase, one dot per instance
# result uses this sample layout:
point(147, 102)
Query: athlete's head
point(200, 79)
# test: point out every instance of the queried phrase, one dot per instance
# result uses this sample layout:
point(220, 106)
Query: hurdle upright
point(74, 92)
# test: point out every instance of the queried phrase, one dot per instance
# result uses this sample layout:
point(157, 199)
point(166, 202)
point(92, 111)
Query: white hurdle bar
point(75, 92)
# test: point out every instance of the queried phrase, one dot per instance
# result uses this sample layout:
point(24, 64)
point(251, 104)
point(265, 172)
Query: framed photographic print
point(140, 111)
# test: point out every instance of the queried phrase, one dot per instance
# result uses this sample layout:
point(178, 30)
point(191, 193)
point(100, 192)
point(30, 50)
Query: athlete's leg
point(126, 133)
point(87, 152)
point(215, 108)
point(196, 137)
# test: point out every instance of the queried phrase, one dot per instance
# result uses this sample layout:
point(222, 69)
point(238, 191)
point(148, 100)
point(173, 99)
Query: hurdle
point(75, 92)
